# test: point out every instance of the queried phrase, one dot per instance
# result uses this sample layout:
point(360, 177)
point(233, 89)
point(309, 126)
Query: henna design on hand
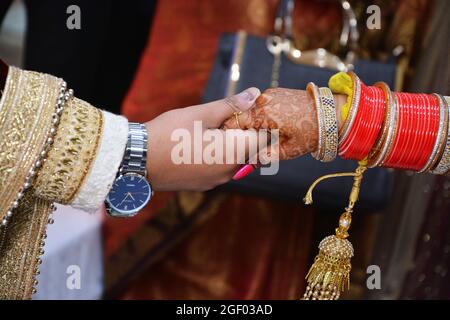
point(292, 112)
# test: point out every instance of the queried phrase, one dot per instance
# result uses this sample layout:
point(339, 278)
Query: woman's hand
point(177, 134)
point(290, 111)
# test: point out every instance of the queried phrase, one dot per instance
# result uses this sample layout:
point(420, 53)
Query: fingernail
point(246, 98)
point(243, 172)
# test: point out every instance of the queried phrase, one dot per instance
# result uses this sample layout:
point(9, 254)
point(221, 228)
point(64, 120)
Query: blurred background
point(254, 239)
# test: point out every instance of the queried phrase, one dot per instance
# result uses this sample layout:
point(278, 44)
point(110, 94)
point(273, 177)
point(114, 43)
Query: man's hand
point(166, 175)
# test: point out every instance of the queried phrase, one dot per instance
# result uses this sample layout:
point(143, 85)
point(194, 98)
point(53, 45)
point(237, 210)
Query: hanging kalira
point(330, 273)
point(364, 115)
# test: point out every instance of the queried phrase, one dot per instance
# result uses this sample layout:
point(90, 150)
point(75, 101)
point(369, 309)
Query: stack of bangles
point(383, 128)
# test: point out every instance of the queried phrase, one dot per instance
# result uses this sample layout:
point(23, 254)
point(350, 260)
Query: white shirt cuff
point(95, 188)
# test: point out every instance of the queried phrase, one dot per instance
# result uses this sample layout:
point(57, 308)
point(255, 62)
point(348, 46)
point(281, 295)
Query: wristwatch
point(131, 191)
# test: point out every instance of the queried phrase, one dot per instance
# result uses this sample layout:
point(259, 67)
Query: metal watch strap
point(135, 157)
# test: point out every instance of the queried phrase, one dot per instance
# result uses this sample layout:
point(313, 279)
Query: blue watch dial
point(129, 193)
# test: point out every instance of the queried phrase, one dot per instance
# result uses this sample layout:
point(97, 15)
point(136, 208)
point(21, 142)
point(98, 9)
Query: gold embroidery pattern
point(27, 105)
point(72, 154)
point(21, 249)
point(27, 124)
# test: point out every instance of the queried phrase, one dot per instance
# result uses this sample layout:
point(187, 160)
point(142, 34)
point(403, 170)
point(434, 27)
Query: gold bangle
point(330, 124)
point(74, 149)
point(443, 165)
point(314, 91)
point(392, 132)
point(447, 100)
point(378, 152)
point(439, 144)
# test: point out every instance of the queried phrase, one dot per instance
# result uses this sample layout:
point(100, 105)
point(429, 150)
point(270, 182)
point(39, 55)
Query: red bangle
point(387, 162)
point(433, 101)
point(383, 143)
point(420, 152)
point(418, 125)
point(421, 114)
point(409, 128)
point(347, 146)
point(404, 131)
point(365, 139)
point(367, 124)
point(381, 102)
point(417, 139)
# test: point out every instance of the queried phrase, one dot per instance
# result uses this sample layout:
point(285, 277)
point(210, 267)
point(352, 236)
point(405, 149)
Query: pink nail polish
point(243, 172)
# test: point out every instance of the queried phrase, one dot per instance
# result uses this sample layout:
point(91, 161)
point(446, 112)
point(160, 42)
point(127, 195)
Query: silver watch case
point(115, 212)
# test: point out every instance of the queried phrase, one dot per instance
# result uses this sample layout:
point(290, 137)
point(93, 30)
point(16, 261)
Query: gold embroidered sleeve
point(26, 109)
point(30, 109)
point(72, 154)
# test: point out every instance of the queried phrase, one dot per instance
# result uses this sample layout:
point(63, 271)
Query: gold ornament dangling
point(330, 273)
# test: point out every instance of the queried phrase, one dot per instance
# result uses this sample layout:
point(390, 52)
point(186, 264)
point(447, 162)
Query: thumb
point(216, 112)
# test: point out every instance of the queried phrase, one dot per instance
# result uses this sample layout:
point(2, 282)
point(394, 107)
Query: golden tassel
point(330, 272)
